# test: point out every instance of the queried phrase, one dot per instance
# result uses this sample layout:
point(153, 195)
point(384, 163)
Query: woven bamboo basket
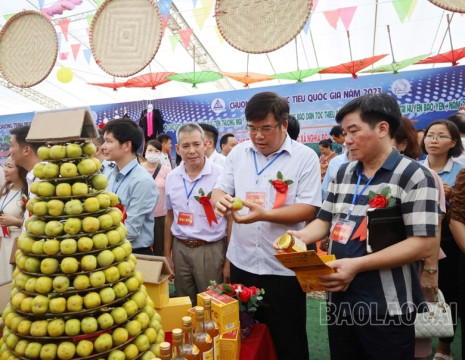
point(28, 48)
point(450, 5)
point(261, 26)
point(125, 35)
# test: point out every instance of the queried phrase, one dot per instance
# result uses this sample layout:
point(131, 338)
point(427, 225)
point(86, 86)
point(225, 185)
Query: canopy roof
point(417, 27)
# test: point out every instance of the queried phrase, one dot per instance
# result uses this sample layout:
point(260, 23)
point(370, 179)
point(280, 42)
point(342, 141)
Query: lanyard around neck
point(189, 193)
point(259, 172)
point(357, 194)
point(10, 200)
point(122, 180)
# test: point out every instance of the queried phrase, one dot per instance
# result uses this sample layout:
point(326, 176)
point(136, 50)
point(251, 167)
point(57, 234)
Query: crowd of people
point(183, 210)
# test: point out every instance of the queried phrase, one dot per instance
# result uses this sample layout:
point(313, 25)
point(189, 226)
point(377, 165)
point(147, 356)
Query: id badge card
point(342, 230)
point(186, 219)
point(256, 197)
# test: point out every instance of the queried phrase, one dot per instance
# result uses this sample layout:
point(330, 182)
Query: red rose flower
point(280, 186)
point(254, 290)
point(204, 200)
point(245, 294)
point(379, 201)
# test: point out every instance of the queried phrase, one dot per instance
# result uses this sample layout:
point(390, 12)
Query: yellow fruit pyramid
point(75, 291)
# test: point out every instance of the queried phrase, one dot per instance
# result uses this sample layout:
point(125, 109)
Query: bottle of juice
point(177, 343)
point(201, 338)
point(211, 327)
point(188, 349)
point(165, 351)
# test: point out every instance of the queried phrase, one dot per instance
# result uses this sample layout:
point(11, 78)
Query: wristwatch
point(431, 270)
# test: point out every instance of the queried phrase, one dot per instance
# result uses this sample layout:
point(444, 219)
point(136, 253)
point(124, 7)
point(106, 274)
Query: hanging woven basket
point(28, 48)
point(125, 35)
point(261, 26)
point(450, 5)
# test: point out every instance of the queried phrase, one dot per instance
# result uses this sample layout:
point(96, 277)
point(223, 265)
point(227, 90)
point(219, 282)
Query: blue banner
point(423, 96)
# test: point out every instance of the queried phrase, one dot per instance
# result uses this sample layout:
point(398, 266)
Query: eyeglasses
point(431, 137)
point(264, 130)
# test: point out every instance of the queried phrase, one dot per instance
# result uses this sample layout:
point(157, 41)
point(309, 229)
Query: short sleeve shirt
point(396, 290)
point(247, 175)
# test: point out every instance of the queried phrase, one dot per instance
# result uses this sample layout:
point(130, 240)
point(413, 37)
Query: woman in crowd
point(442, 142)
point(457, 226)
point(153, 155)
point(11, 214)
point(326, 155)
point(405, 140)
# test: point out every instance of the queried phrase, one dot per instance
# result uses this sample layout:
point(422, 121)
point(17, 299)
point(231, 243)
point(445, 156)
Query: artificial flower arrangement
point(249, 298)
point(281, 186)
point(381, 200)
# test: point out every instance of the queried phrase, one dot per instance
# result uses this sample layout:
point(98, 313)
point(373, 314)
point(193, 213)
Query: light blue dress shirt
point(450, 171)
point(138, 193)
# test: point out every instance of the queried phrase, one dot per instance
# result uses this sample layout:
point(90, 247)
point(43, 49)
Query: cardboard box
point(225, 310)
point(230, 345)
point(307, 265)
point(172, 313)
point(156, 272)
point(5, 289)
point(62, 125)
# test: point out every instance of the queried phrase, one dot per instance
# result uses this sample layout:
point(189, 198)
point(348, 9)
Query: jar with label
point(290, 243)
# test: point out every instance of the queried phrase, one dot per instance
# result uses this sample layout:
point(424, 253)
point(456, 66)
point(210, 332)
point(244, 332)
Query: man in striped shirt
point(374, 297)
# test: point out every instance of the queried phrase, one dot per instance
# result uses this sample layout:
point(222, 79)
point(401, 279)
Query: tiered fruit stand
point(75, 292)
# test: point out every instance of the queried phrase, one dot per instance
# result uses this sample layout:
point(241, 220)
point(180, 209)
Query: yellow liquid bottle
point(177, 343)
point(201, 338)
point(211, 327)
point(165, 351)
point(188, 349)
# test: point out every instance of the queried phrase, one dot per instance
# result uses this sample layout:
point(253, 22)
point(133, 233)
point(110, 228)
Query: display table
point(258, 345)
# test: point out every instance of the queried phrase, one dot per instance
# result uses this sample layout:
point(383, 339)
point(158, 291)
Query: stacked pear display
point(75, 291)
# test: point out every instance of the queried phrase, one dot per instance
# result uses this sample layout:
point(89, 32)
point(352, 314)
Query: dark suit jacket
point(157, 124)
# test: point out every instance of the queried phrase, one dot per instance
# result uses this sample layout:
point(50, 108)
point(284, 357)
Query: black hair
point(211, 132)
point(125, 130)
point(163, 138)
point(326, 143)
point(373, 109)
point(454, 134)
point(155, 143)
point(293, 127)
point(459, 120)
point(224, 139)
point(20, 134)
point(261, 104)
point(336, 131)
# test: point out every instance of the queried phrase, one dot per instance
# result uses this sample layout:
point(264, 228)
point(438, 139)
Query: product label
point(216, 347)
point(208, 355)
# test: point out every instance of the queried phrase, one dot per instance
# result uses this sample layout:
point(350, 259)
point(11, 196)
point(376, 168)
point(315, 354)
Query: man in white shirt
point(227, 142)
point(166, 142)
point(251, 173)
point(211, 138)
point(24, 154)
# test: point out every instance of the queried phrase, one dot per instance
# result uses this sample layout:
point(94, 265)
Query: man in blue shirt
point(131, 182)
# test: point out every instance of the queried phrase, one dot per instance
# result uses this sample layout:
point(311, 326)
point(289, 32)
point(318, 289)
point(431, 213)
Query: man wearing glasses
point(251, 171)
